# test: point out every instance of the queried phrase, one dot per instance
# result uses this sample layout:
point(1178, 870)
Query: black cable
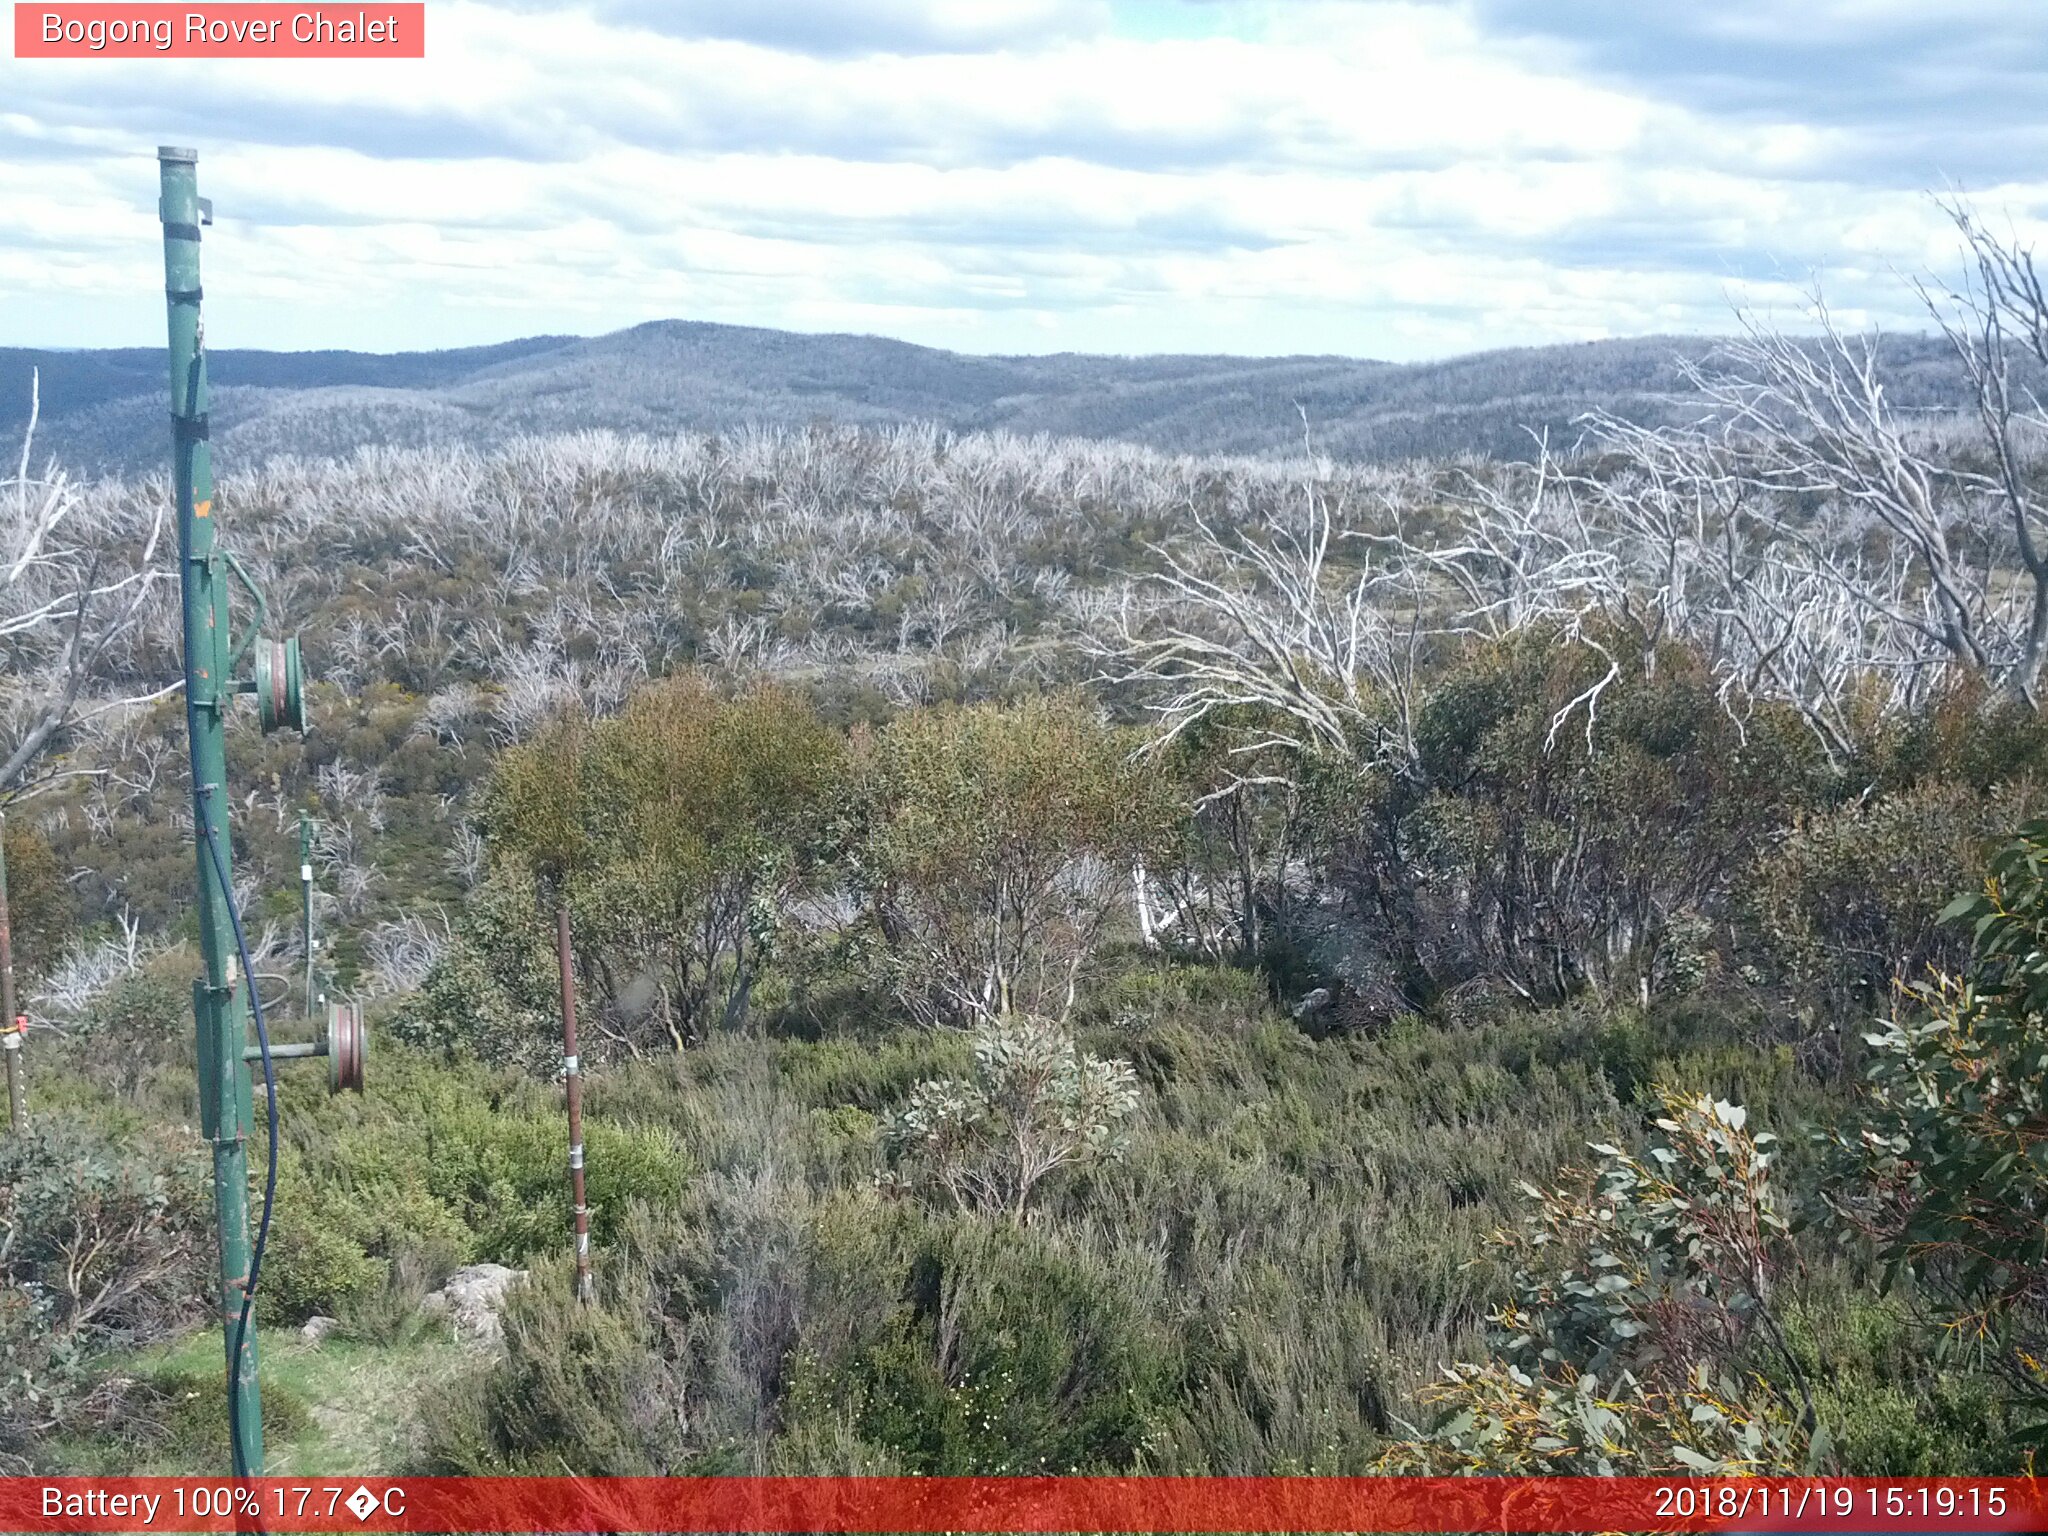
point(220, 869)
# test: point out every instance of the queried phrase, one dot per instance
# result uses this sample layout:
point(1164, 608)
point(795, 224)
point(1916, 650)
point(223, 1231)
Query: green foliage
point(1967, 736)
point(1563, 829)
point(1298, 1226)
point(1152, 987)
point(179, 1418)
point(1224, 872)
point(143, 1022)
point(678, 832)
point(1951, 1141)
point(1502, 1421)
point(839, 1325)
point(315, 1260)
point(1298, 1231)
point(1036, 1104)
point(440, 1166)
point(994, 845)
point(1521, 928)
point(1849, 903)
point(41, 907)
point(102, 1241)
point(495, 993)
point(575, 1386)
point(1664, 1262)
point(125, 1058)
point(1639, 1299)
point(103, 1236)
point(1890, 1409)
point(712, 810)
point(1017, 1353)
point(535, 806)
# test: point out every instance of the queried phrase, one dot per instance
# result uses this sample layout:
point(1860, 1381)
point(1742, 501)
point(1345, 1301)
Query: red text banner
point(219, 31)
point(1104, 1504)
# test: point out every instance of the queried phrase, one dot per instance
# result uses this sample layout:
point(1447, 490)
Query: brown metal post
point(572, 1077)
point(17, 1104)
point(13, 1028)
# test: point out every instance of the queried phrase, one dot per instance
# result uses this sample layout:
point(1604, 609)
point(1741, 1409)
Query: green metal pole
point(220, 1007)
point(306, 901)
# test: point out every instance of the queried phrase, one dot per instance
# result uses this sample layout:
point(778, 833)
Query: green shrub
point(1968, 736)
point(145, 1016)
point(45, 1377)
point(873, 1076)
point(1945, 1147)
point(1642, 1306)
point(677, 833)
point(1891, 1410)
point(505, 1175)
point(1561, 828)
point(42, 908)
point(179, 1418)
point(1158, 987)
point(127, 1056)
point(495, 994)
point(994, 845)
point(312, 1261)
point(575, 1387)
point(1849, 904)
point(1035, 1104)
point(103, 1241)
point(1015, 1352)
point(441, 1165)
point(1222, 875)
point(105, 1237)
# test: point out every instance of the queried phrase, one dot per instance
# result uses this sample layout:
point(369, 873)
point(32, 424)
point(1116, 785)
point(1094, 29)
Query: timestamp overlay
point(919, 1504)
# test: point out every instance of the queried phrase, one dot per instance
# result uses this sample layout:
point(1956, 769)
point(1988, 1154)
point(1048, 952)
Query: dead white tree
point(1521, 548)
point(400, 954)
point(74, 583)
point(1996, 321)
point(1832, 467)
point(84, 973)
point(1260, 622)
point(1935, 532)
point(1702, 556)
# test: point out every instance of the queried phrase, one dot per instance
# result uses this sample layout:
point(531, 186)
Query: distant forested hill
point(104, 410)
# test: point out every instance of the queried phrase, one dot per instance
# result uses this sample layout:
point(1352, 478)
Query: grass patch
point(337, 1408)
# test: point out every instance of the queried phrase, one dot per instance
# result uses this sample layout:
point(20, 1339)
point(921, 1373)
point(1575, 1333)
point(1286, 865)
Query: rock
point(472, 1300)
point(1314, 1003)
point(317, 1329)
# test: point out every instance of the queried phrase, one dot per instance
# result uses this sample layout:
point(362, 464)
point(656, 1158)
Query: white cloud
point(1367, 176)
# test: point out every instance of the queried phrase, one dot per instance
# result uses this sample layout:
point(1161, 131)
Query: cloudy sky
point(1385, 178)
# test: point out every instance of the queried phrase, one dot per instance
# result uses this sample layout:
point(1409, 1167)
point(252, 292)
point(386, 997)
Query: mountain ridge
point(102, 410)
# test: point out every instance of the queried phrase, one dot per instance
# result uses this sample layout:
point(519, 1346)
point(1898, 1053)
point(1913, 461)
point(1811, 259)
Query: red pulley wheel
point(347, 1046)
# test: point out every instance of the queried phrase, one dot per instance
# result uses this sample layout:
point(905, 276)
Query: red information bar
point(377, 30)
point(1082, 1504)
